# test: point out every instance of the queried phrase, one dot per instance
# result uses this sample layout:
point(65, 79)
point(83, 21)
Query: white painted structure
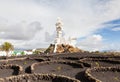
point(3, 53)
point(28, 52)
point(59, 37)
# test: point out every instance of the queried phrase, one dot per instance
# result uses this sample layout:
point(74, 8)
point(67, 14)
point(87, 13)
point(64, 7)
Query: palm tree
point(6, 46)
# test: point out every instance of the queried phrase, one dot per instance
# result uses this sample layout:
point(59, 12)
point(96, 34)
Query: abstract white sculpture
point(59, 37)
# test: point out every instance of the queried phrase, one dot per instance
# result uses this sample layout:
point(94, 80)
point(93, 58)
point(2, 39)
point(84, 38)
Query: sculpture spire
point(59, 37)
point(62, 45)
point(59, 25)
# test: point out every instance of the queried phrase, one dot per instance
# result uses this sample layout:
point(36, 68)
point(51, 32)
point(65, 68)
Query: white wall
point(3, 53)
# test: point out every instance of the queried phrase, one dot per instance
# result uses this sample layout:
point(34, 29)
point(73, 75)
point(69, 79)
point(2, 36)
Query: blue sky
point(31, 23)
point(111, 31)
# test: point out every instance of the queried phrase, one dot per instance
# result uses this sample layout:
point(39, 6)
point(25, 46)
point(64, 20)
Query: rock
point(62, 48)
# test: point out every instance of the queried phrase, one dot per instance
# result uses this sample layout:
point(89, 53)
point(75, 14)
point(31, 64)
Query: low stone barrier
point(99, 69)
point(39, 77)
point(17, 68)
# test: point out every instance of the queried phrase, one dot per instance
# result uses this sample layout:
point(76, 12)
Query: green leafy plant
point(25, 63)
point(37, 52)
point(6, 46)
point(97, 64)
point(117, 79)
point(59, 68)
point(23, 53)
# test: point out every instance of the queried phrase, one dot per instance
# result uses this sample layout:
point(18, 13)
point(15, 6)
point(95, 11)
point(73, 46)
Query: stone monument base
point(62, 48)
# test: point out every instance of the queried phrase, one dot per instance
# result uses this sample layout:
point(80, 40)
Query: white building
point(3, 53)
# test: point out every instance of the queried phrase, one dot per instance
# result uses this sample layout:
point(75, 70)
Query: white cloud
point(97, 42)
point(112, 46)
point(20, 31)
point(92, 43)
point(116, 29)
point(81, 17)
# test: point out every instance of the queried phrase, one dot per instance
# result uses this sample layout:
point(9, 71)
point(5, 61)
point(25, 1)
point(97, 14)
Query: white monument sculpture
point(59, 37)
